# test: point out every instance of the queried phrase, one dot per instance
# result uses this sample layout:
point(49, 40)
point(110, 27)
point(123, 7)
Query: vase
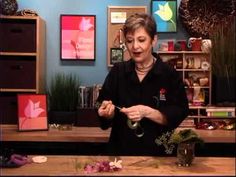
point(185, 154)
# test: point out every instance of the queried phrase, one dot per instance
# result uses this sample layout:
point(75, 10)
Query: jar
point(185, 154)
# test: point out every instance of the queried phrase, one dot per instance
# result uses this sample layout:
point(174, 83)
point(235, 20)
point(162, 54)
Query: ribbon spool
point(132, 125)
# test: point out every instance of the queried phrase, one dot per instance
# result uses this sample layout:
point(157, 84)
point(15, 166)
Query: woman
point(143, 97)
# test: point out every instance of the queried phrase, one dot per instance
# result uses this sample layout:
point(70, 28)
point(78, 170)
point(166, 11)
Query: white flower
point(164, 12)
point(116, 164)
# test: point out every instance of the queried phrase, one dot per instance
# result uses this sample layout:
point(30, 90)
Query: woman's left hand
point(135, 113)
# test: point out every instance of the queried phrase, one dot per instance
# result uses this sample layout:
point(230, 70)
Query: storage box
point(17, 72)
point(8, 108)
point(17, 35)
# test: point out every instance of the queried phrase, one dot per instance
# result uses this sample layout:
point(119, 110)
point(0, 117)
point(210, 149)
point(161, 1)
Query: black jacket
point(162, 89)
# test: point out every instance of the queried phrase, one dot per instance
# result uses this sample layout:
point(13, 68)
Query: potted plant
point(224, 62)
point(63, 98)
point(185, 141)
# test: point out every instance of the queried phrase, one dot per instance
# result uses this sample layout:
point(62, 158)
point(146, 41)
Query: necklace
point(143, 70)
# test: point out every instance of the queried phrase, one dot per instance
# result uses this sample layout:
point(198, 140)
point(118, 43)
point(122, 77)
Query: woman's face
point(139, 45)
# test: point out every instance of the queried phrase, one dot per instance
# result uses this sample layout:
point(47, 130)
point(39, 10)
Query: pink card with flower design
point(32, 112)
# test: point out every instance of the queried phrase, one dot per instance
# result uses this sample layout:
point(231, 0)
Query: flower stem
point(173, 24)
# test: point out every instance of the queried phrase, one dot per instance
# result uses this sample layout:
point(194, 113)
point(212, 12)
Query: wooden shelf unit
point(22, 61)
point(196, 76)
point(194, 66)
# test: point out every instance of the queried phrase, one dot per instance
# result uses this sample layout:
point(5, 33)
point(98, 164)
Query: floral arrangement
point(170, 139)
point(103, 166)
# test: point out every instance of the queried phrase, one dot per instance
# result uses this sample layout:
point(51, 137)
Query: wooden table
point(95, 134)
point(132, 166)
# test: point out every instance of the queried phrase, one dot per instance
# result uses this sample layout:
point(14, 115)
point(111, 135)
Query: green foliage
point(169, 139)
point(185, 136)
point(223, 49)
point(63, 92)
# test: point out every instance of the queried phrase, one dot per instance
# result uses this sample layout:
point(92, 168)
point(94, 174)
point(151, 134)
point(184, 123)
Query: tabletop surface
point(131, 166)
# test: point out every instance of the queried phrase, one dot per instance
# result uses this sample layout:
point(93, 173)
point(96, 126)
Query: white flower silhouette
point(32, 110)
point(85, 25)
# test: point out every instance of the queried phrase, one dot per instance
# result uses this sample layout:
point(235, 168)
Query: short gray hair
point(138, 20)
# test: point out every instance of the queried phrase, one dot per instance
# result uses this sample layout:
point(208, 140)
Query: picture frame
point(77, 37)
point(117, 55)
point(165, 14)
point(32, 112)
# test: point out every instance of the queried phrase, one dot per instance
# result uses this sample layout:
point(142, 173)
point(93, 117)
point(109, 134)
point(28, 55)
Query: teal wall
point(89, 72)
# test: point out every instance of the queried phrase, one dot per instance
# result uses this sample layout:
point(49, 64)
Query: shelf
point(181, 52)
point(17, 90)
point(19, 17)
point(17, 54)
point(194, 70)
point(206, 87)
point(197, 107)
point(210, 117)
point(22, 63)
point(196, 76)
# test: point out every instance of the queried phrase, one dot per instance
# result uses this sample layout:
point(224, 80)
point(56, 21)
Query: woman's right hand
point(107, 109)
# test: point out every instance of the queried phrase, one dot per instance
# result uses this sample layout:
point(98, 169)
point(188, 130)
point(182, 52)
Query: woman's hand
point(135, 113)
point(138, 112)
point(107, 109)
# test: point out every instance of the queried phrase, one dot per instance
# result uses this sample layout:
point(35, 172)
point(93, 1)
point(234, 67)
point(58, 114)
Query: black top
point(162, 89)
